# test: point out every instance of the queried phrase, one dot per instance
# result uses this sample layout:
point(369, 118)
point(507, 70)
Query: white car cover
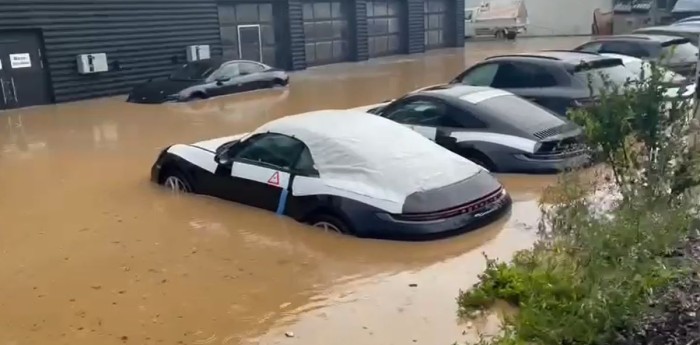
point(371, 156)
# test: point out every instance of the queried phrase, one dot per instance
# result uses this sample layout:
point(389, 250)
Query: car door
point(511, 76)
point(251, 76)
point(225, 80)
point(261, 169)
point(527, 80)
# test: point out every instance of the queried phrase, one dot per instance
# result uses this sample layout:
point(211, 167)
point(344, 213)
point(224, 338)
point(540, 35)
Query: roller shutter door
point(435, 23)
point(384, 27)
point(326, 31)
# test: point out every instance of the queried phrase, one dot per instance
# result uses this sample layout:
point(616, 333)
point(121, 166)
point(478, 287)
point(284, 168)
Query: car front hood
point(213, 144)
point(157, 91)
point(366, 108)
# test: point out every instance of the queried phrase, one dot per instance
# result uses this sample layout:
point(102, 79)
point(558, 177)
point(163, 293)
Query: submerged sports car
point(368, 177)
point(207, 78)
point(494, 128)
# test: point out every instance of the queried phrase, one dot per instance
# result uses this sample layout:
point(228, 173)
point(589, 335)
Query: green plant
point(594, 272)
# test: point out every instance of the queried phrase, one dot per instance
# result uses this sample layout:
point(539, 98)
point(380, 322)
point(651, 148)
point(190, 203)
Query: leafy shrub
point(592, 275)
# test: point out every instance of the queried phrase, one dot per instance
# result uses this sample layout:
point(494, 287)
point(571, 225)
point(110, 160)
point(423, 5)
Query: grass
point(590, 278)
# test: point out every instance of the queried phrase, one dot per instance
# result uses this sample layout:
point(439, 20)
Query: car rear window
point(641, 66)
point(520, 113)
point(617, 75)
point(680, 53)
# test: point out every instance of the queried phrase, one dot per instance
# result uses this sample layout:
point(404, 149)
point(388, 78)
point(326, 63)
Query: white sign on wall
point(22, 60)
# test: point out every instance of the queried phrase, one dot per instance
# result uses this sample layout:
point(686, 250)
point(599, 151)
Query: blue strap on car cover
point(283, 202)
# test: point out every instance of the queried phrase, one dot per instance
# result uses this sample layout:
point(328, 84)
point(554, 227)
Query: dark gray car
point(208, 78)
point(676, 53)
point(494, 128)
point(556, 80)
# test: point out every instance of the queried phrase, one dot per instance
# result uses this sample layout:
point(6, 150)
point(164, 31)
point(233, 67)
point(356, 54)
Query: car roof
point(369, 154)
point(684, 27)
point(566, 56)
point(640, 37)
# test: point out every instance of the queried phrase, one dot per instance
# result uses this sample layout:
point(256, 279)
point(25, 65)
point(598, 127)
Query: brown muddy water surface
point(92, 253)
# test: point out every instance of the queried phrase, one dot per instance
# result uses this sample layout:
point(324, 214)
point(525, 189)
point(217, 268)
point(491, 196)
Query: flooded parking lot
point(92, 253)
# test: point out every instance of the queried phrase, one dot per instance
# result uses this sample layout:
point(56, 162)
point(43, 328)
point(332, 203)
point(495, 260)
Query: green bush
point(594, 273)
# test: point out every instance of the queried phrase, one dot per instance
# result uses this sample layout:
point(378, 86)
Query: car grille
point(550, 132)
point(558, 149)
point(491, 201)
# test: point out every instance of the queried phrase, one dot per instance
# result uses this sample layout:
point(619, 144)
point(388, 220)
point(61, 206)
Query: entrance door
point(249, 42)
point(23, 79)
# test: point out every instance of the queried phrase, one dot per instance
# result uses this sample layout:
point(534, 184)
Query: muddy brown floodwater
point(92, 253)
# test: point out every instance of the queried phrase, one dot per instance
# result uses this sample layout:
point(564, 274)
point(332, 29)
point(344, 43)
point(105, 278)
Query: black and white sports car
point(494, 128)
point(341, 170)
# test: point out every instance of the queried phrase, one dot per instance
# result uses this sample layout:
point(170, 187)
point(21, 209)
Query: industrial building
point(58, 50)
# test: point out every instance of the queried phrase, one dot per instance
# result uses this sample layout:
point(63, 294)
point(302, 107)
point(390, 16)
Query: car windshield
point(197, 70)
point(520, 113)
point(680, 53)
point(641, 67)
point(596, 77)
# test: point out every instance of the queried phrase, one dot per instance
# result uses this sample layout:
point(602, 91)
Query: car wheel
point(176, 183)
point(196, 96)
point(279, 82)
point(329, 223)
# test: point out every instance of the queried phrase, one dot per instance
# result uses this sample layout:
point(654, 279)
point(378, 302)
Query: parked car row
point(419, 165)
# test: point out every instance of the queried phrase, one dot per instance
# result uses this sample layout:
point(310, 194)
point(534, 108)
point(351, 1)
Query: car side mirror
point(221, 80)
point(222, 158)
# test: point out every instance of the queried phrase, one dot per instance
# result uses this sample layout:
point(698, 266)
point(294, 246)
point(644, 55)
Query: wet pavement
point(92, 253)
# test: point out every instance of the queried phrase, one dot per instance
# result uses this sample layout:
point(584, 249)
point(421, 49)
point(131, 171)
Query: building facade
point(40, 40)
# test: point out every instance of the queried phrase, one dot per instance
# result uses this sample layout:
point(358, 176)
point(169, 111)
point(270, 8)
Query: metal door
point(435, 23)
point(385, 27)
point(23, 79)
point(326, 32)
point(250, 42)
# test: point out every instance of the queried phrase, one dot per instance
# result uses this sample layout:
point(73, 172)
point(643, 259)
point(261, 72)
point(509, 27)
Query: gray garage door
point(326, 30)
point(384, 23)
point(435, 23)
point(253, 23)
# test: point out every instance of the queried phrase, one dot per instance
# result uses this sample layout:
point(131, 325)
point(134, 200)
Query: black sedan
point(207, 78)
point(493, 128)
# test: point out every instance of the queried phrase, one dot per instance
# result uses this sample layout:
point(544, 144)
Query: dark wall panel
point(297, 40)
point(360, 31)
point(458, 23)
point(144, 36)
point(415, 26)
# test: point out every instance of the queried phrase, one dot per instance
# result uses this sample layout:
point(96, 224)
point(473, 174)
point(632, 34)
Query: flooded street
point(92, 253)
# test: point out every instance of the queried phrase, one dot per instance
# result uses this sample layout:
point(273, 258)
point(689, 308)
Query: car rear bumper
point(520, 163)
point(383, 226)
